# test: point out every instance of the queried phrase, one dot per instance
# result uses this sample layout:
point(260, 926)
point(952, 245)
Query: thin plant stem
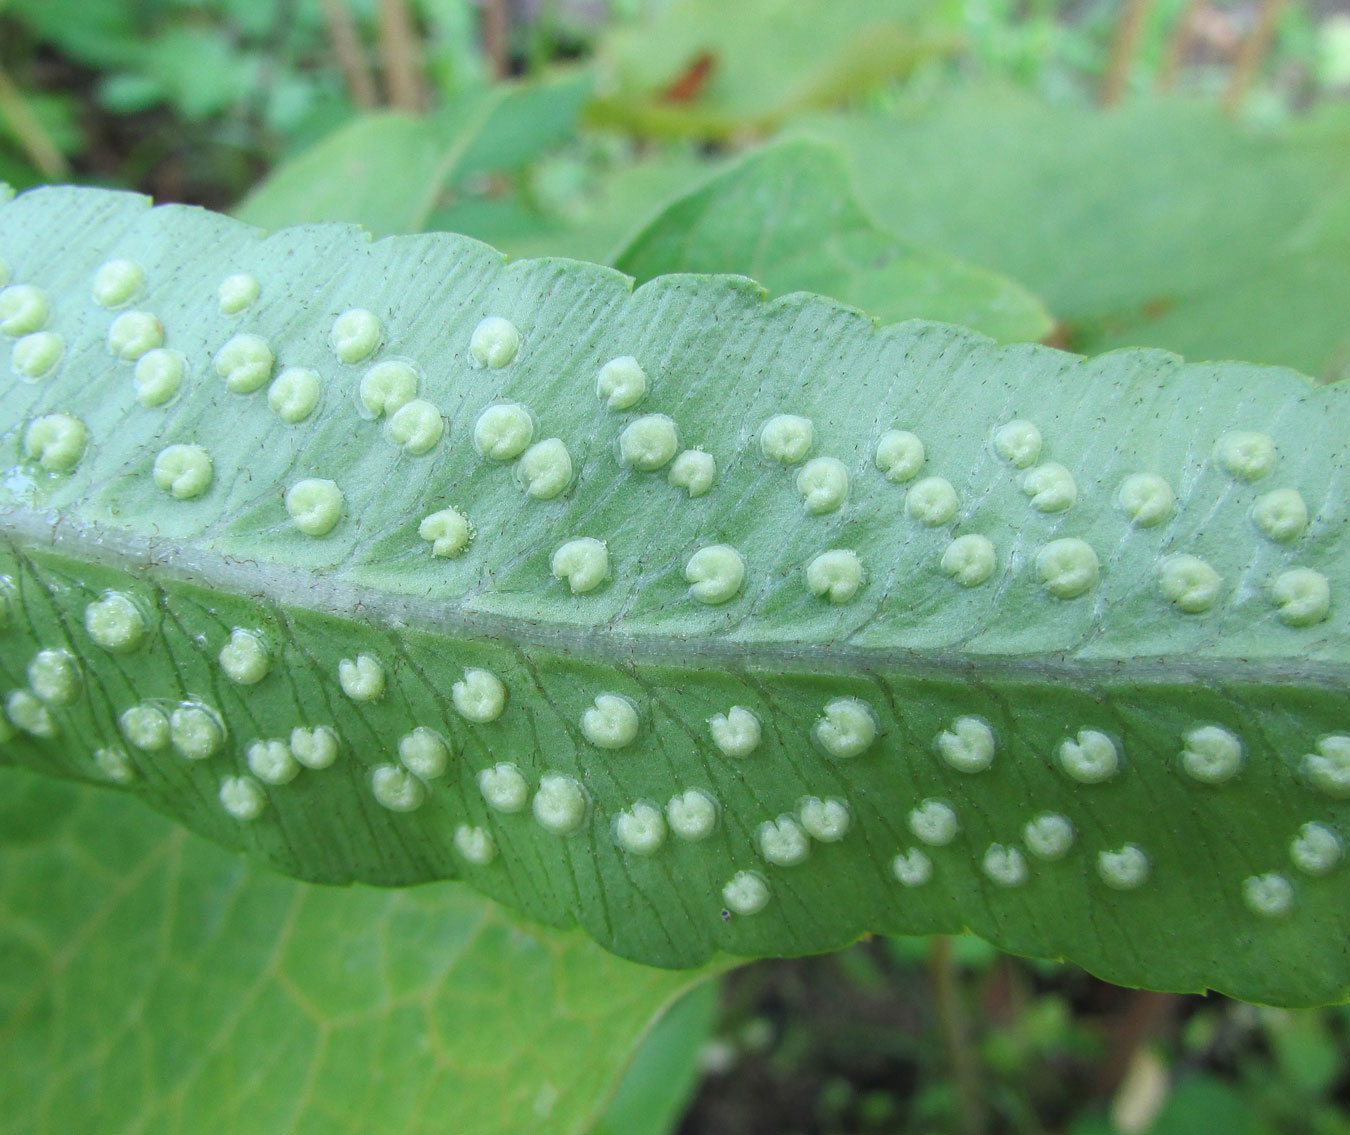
point(255, 108)
point(951, 1018)
point(1251, 52)
point(496, 25)
point(1145, 1016)
point(402, 60)
point(1174, 54)
point(1124, 44)
point(36, 142)
point(351, 56)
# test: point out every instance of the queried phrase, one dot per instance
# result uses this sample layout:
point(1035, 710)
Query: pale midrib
point(125, 551)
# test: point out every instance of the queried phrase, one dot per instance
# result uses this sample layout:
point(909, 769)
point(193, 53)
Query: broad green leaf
point(1161, 223)
point(388, 170)
point(705, 68)
point(595, 225)
point(787, 217)
point(154, 982)
point(1104, 615)
point(526, 120)
point(662, 1077)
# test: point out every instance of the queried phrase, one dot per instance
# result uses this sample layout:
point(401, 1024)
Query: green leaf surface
point(700, 67)
point(1160, 223)
point(787, 217)
point(659, 1082)
point(595, 225)
point(759, 714)
point(154, 982)
point(387, 170)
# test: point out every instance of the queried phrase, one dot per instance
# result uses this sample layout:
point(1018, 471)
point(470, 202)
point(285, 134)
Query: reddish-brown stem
point(1124, 44)
point(1251, 52)
point(1174, 54)
point(1144, 1017)
point(401, 57)
point(951, 1018)
point(351, 56)
point(496, 26)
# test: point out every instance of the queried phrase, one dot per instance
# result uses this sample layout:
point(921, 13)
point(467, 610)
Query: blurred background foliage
point(1089, 173)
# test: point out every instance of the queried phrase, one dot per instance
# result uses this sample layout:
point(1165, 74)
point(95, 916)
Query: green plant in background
point(346, 177)
point(1161, 223)
point(157, 981)
point(787, 218)
point(718, 623)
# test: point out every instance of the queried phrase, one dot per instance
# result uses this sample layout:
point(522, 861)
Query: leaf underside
point(879, 702)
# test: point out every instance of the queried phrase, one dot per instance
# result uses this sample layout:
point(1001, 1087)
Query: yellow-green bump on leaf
point(946, 634)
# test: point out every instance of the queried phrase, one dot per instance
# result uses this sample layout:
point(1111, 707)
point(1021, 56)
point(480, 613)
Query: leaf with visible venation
point(153, 981)
point(787, 217)
point(707, 622)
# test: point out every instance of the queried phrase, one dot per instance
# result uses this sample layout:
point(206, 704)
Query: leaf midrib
point(121, 550)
